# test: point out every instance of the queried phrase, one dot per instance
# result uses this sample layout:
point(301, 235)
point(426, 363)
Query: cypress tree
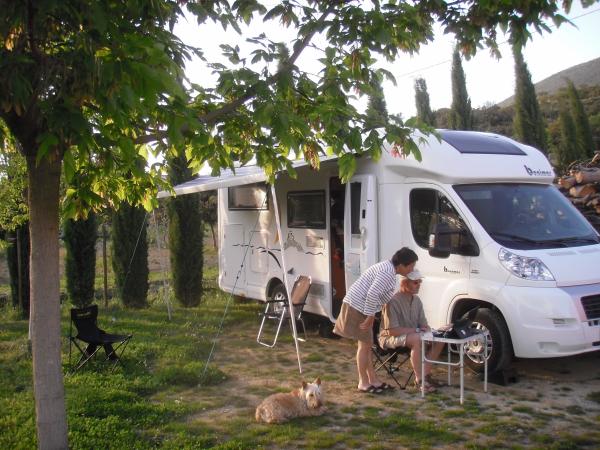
point(376, 114)
point(185, 238)
point(424, 112)
point(19, 240)
point(80, 262)
point(528, 123)
point(130, 255)
point(566, 152)
point(583, 135)
point(461, 117)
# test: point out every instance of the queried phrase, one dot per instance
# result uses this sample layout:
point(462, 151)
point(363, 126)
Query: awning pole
point(285, 282)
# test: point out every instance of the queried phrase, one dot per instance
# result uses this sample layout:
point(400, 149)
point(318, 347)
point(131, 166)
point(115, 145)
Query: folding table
point(478, 337)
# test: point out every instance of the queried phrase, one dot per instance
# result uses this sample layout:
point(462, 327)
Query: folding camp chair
point(90, 338)
point(390, 360)
point(278, 309)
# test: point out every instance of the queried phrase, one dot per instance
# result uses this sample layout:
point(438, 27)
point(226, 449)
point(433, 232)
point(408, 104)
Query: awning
point(243, 175)
point(227, 178)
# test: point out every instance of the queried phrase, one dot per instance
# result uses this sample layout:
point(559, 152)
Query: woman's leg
point(373, 378)
point(364, 365)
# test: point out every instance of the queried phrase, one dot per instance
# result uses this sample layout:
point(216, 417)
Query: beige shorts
point(392, 341)
point(347, 325)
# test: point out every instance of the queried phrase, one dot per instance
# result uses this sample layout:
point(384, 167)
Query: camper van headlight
point(523, 267)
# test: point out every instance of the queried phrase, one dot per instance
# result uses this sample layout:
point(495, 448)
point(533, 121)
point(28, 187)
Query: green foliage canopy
point(100, 79)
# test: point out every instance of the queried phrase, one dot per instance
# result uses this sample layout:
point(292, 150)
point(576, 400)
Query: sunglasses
point(416, 281)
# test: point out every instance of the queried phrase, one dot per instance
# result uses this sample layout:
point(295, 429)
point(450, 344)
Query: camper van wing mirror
point(440, 241)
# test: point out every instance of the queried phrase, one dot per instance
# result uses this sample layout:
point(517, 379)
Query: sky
point(488, 80)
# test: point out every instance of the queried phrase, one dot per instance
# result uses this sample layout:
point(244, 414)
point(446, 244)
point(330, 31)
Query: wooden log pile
point(581, 185)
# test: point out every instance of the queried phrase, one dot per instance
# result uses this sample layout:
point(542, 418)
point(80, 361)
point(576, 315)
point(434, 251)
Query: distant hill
point(587, 73)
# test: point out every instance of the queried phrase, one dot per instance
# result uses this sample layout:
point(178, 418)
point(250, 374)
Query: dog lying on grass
point(302, 402)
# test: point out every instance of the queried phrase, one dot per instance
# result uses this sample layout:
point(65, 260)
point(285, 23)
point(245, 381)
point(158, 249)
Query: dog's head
point(312, 393)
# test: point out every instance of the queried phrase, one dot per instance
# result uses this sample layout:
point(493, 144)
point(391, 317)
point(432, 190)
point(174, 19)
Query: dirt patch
point(552, 401)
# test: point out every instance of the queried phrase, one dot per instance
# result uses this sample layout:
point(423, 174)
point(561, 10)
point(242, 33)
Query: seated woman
point(402, 321)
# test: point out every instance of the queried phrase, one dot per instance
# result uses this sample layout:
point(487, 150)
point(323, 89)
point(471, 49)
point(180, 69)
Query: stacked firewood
point(581, 185)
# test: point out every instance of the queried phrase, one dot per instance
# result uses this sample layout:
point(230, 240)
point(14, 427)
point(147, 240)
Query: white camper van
point(480, 211)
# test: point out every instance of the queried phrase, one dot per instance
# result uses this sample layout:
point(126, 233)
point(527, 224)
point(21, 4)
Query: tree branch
point(211, 117)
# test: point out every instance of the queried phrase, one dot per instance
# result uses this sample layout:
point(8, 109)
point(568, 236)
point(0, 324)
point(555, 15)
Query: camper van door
point(446, 277)
point(360, 226)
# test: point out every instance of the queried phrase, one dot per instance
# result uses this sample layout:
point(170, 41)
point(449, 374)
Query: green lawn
point(161, 397)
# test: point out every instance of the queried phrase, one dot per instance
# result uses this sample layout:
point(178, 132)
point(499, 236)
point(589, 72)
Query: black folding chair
point(278, 309)
point(390, 360)
point(89, 338)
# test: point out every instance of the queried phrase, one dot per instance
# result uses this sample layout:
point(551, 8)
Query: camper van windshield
point(527, 216)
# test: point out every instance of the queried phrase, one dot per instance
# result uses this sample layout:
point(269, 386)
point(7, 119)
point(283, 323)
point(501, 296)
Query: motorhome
point(480, 211)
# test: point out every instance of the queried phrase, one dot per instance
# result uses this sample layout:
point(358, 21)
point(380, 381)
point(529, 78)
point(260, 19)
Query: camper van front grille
point(591, 306)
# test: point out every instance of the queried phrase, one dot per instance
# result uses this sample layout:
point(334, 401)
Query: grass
point(594, 396)
point(129, 407)
point(161, 396)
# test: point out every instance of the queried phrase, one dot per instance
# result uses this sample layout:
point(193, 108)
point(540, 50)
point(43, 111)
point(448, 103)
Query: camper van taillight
point(523, 267)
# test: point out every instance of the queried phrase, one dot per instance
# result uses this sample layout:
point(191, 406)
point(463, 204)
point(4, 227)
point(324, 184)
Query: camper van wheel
point(492, 324)
point(279, 294)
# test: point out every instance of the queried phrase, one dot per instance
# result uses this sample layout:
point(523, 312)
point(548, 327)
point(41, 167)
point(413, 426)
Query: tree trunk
point(49, 392)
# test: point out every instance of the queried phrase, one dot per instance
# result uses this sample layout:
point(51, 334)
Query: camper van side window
point(428, 208)
point(306, 209)
point(251, 196)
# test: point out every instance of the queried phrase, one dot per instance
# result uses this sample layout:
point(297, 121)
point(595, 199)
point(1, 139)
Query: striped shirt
point(373, 289)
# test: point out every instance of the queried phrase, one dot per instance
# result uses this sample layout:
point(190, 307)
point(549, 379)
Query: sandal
point(428, 388)
point(432, 381)
point(385, 387)
point(371, 390)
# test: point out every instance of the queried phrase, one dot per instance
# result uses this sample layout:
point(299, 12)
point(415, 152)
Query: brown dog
point(306, 401)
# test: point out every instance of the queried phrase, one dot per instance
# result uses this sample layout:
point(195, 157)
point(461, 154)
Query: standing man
point(402, 321)
point(373, 289)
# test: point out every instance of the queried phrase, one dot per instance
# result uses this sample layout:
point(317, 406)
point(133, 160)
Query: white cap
point(414, 275)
